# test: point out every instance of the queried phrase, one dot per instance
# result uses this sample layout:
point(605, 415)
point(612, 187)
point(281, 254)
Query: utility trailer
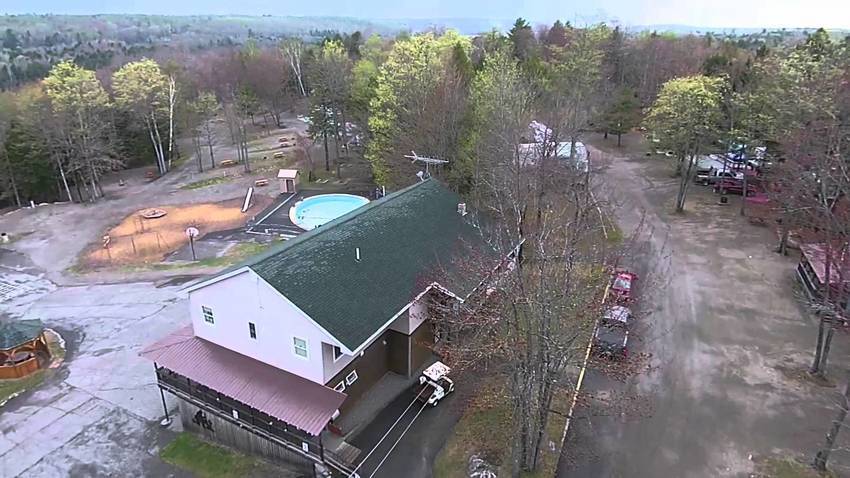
point(434, 384)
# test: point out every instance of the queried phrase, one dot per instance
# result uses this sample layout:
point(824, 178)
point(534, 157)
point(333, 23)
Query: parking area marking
point(8, 290)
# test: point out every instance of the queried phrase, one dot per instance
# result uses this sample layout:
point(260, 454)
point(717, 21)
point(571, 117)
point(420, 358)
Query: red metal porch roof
point(295, 400)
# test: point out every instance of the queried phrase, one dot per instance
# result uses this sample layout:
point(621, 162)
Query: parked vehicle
point(736, 186)
point(622, 286)
point(434, 384)
point(611, 340)
point(617, 315)
point(706, 164)
point(716, 175)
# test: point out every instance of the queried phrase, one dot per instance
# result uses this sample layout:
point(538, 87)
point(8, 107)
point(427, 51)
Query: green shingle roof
point(405, 239)
point(17, 332)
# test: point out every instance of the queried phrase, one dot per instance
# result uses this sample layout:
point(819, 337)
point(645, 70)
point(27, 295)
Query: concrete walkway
point(98, 416)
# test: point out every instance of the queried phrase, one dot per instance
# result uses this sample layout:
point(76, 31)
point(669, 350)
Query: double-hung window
point(208, 314)
point(299, 347)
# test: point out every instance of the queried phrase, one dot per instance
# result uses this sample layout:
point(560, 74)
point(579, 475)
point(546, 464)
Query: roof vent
point(461, 208)
point(357, 254)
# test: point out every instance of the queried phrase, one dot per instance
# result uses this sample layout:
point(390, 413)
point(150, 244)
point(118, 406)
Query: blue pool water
point(317, 210)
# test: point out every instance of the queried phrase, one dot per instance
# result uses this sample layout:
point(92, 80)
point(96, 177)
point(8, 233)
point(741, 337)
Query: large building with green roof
point(334, 309)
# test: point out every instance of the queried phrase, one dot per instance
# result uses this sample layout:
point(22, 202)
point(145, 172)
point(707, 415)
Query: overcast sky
point(702, 13)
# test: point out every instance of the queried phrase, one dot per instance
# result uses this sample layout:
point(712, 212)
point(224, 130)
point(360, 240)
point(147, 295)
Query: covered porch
point(244, 403)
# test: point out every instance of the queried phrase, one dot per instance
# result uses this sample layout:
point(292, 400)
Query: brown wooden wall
point(371, 366)
point(19, 370)
point(398, 353)
point(422, 342)
point(232, 435)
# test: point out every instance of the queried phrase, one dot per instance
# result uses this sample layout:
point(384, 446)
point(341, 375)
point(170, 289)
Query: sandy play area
point(139, 240)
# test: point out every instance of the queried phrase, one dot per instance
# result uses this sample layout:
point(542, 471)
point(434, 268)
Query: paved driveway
point(417, 449)
point(728, 344)
point(99, 415)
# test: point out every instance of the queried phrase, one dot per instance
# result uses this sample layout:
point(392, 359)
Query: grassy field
point(206, 460)
point(482, 430)
point(788, 468)
point(8, 388)
point(234, 255)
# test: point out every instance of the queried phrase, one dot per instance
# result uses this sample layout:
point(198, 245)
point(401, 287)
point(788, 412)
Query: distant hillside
point(688, 29)
point(31, 44)
point(466, 26)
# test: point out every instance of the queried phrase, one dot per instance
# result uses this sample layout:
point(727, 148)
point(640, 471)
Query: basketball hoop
point(192, 232)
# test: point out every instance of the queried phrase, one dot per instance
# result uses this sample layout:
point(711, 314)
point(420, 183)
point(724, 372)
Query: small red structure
point(811, 271)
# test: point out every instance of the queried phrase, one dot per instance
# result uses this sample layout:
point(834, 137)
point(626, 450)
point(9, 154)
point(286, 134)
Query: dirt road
point(727, 342)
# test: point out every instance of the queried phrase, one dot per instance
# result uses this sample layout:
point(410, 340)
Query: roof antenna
point(428, 162)
point(357, 254)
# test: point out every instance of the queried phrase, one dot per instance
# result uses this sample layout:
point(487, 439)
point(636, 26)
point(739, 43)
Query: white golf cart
point(435, 384)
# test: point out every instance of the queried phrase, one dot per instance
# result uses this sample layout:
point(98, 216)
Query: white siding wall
point(409, 321)
point(418, 313)
point(244, 298)
point(332, 368)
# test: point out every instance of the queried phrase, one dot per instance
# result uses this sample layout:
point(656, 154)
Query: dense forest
point(150, 79)
point(31, 44)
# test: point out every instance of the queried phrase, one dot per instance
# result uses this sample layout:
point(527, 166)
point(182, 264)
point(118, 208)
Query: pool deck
point(274, 220)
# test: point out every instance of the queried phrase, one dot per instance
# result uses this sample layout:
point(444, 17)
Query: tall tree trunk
point(196, 141)
point(244, 146)
point(12, 181)
point(94, 182)
point(544, 404)
point(819, 359)
point(683, 184)
point(327, 155)
point(815, 368)
point(77, 186)
point(157, 146)
point(64, 179)
point(785, 231)
point(161, 148)
point(172, 95)
point(827, 343)
point(212, 155)
point(822, 456)
point(231, 130)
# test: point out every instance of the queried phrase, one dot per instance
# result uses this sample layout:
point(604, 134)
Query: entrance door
point(290, 186)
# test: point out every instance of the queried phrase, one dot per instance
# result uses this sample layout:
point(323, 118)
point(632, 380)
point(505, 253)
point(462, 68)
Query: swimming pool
point(317, 210)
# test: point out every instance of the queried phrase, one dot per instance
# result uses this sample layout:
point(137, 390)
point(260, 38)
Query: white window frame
point(340, 387)
point(252, 327)
point(306, 348)
point(208, 315)
point(336, 357)
point(351, 377)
